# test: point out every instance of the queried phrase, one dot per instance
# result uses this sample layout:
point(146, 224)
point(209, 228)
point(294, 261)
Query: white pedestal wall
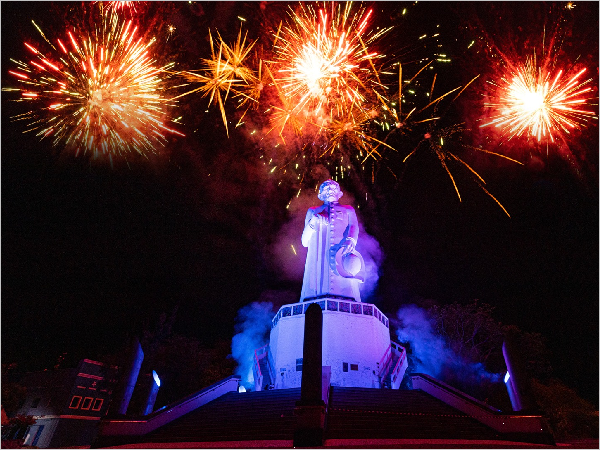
point(359, 340)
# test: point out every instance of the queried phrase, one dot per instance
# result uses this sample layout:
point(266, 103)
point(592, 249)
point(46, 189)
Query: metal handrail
point(260, 353)
point(385, 362)
point(271, 365)
point(257, 364)
point(398, 365)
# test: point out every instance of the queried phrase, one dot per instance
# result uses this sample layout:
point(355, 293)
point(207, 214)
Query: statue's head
point(330, 191)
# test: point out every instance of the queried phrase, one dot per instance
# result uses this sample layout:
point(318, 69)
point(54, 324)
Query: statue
point(333, 266)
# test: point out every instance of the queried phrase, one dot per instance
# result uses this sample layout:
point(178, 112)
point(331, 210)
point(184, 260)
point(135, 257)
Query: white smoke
point(429, 351)
point(252, 326)
point(372, 254)
point(431, 354)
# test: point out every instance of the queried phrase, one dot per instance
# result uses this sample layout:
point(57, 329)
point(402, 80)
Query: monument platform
point(356, 345)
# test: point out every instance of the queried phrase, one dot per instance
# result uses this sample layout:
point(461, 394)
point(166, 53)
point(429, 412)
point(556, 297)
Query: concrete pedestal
point(355, 337)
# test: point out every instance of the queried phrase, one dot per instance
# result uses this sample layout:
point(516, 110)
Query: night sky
point(90, 251)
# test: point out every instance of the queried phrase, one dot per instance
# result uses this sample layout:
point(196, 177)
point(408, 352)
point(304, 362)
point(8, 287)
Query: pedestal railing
point(331, 305)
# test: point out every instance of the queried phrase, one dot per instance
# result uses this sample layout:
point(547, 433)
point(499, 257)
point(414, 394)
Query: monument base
point(355, 339)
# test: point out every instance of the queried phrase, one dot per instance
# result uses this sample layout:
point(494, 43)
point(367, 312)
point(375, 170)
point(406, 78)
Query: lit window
point(75, 402)
point(87, 402)
point(97, 404)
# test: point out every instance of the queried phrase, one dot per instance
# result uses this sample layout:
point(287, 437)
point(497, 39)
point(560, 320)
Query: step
point(263, 415)
point(397, 414)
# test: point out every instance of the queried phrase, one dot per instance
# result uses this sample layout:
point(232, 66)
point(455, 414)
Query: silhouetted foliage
point(470, 330)
point(474, 337)
point(569, 415)
point(185, 366)
point(13, 394)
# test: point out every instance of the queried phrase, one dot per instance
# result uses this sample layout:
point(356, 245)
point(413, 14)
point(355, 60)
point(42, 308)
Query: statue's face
point(330, 191)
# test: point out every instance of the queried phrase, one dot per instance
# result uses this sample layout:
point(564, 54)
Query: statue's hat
point(350, 265)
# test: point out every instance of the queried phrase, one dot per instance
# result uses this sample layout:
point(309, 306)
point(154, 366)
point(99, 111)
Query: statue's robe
point(321, 276)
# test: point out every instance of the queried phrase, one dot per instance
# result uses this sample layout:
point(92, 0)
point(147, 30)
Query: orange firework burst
point(98, 93)
point(533, 102)
point(116, 5)
point(226, 72)
point(323, 64)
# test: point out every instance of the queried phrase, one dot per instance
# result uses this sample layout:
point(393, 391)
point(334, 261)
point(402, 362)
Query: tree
point(185, 366)
point(13, 394)
point(569, 415)
point(183, 363)
point(468, 343)
point(470, 330)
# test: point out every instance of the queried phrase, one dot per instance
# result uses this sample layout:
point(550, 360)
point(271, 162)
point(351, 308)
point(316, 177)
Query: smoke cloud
point(373, 256)
point(432, 355)
point(429, 351)
point(252, 328)
point(253, 323)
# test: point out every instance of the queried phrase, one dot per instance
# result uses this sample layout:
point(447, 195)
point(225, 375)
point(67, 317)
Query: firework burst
point(324, 67)
point(531, 101)
point(98, 92)
point(122, 5)
point(226, 72)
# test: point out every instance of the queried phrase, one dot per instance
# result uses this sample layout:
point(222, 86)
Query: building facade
point(67, 403)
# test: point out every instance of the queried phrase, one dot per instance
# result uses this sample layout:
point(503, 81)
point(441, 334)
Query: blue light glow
point(506, 377)
point(156, 379)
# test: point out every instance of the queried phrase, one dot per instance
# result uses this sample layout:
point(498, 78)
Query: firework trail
point(440, 141)
point(226, 72)
point(530, 101)
point(97, 92)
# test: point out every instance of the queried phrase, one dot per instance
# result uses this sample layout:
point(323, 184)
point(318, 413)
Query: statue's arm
point(309, 229)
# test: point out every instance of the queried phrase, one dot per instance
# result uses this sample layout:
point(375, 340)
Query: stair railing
point(399, 365)
point(384, 364)
point(137, 426)
point(259, 354)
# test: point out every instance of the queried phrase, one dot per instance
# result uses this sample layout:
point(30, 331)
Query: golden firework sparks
point(97, 92)
point(226, 72)
point(530, 101)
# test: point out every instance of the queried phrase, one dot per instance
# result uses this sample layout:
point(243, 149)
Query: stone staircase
point(353, 413)
point(360, 413)
point(264, 415)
